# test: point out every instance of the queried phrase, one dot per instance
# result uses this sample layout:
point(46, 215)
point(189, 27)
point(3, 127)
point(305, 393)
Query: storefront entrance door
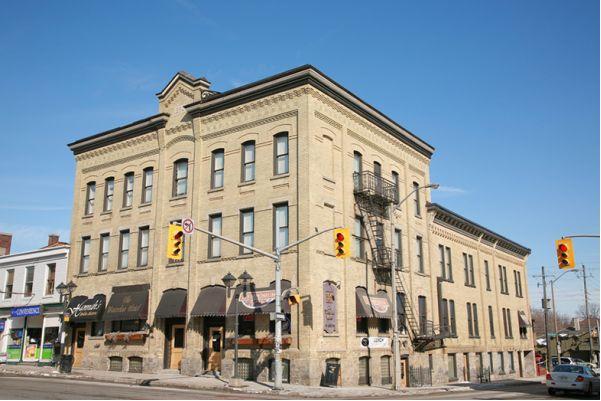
point(404, 375)
point(178, 338)
point(79, 339)
point(215, 341)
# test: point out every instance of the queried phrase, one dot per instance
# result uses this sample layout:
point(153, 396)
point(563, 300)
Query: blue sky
point(507, 92)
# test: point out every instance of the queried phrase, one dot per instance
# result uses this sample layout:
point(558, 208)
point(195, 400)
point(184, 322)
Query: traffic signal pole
point(276, 257)
point(545, 307)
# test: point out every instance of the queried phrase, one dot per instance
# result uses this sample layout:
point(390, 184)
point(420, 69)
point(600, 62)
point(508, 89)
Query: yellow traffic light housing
point(565, 253)
point(342, 245)
point(175, 242)
point(294, 299)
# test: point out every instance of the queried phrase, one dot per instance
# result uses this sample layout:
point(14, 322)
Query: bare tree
point(538, 316)
point(593, 311)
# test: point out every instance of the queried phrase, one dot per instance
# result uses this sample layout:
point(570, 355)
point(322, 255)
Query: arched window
point(180, 177)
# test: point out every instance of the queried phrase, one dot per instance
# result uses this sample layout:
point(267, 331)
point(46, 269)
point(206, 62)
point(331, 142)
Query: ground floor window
point(364, 370)
point(15, 342)
point(246, 325)
point(511, 363)
point(385, 370)
point(50, 338)
point(246, 369)
point(285, 370)
point(116, 364)
point(452, 368)
point(501, 364)
point(491, 364)
point(97, 329)
point(135, 364)
point(126, 325)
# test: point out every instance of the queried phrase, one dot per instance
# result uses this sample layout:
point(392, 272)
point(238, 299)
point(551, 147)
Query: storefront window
point(126, 325)
point(50, 337)
point(361, 325)
point(97, 329)
point(15, 342)
point(246, 325)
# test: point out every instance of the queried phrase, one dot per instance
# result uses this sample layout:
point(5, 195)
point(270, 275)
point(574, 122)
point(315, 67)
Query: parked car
point(565, 360)
point(592, 366)
point(568, 377)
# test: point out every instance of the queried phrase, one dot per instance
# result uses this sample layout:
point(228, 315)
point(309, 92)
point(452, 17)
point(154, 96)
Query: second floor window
point(109, 191)
point(416, 200)
point(395, 180)
point(419, 246)
point(446, 267)
point(147, 178)
point(280, 225)
point(180, 177)
point(124, 249)
point(453, 320)
point(468, 261)
point(90, 197)
point(248, 161)
point(217, 165)
point(214, 242)
point(280, 163)
point(475, 317)
point(128, 190)
point(503, 279)
point(28, 290)
point(517, 277)
point(85, 255)
point(50, 278)
point(143, 244)
point(8, 287)
point(358, 239)
point(103, 262)
point(247, 229)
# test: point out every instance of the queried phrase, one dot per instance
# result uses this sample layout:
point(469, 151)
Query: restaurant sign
point(23, 311)
point(257, 299)
point(379, 305)
point(329, 307)
point(84, 308)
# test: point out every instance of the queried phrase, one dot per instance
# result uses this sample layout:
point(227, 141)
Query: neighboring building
point(269, 163)
point(5, 241)
point(30, 306)
point(574, 342)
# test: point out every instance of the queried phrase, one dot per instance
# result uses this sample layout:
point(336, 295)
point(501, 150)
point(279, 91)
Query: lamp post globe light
point(229, 280)
point(65, 291)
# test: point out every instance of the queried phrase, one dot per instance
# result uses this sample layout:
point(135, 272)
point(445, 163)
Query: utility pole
point(588, 318)
point(545, 308)
point(557, 345)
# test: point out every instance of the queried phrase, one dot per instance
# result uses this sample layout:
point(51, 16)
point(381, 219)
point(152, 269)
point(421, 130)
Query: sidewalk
point(175, 380)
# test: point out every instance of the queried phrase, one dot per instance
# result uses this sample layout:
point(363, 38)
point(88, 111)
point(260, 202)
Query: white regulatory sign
point(188, 225)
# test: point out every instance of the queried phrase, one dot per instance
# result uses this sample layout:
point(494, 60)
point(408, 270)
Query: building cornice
point(119, 134)
point(306, 75)
point(451, 219)
point(36, 254)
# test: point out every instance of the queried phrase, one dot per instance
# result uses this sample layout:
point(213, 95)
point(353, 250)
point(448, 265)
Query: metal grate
point(245, 369)
point(420, 377)
point(116, 364)
point(385, 370)
point(135, 364)
point(364, 370)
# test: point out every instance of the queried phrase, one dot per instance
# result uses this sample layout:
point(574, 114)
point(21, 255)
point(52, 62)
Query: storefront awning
point(374, 305)
point(210, 302)
point(84, 309)
point(128, 303)
point(173, 304)
point(258, 300)
point(523, 319)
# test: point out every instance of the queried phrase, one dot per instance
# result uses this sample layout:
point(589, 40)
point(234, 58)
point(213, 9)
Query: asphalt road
point(21, 387)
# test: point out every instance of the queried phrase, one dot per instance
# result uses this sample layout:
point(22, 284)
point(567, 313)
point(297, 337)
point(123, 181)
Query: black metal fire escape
point(373, 195)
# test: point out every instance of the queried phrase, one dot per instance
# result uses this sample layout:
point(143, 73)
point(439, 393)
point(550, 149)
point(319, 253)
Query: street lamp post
point(229, 280)
point(65, 291)
point(395, 321)
point(552, 282)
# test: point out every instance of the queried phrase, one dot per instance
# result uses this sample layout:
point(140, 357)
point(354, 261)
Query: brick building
point(269, 163)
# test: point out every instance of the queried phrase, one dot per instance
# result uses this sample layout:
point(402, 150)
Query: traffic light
point(294, 299)
point(342, 245)
point(565, 253)
point(175, 242)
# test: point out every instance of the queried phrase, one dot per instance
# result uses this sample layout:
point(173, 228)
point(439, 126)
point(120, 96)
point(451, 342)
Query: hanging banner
point(329, 307)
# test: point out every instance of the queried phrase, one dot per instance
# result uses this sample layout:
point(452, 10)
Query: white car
point(572, 378)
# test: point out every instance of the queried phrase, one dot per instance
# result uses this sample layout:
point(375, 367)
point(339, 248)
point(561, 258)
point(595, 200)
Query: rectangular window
point(470, 324)
point(361, 325)
point(400, 299)
point(522, 328)
point(90, 197)
point(217, 166)
point(452, 318)
point(180, 177)
point(97, 329)
point(280, 164)
point(214, 242)
point(398, 248)
point(511, 362)
point(505, 322)
point(103, 254)
point(248, 161)
point(383, 326)
point(143, 244)
point(358, 238)
point(491, 364)
point(147, 178)
point(8, 287)
point(85, 255)
point(487, 275)
point(475, 317)
point(281, 225)
point(247, 229)
point(126, 325)
point(452, 367)
point(472, 275)
point(420, 254)
point(28, 289)
point(449, 261)
point(246, 325)
point(443, 265)
point(128, 190)
point(509, 328)
point(468, 270)
point(50, 278)
point(505, 286)
point(109, 191)
point(124, 249)
point(444, 316)
point(423, 314)
point(501, 279)
point(416, 199)
point(357, 169)
point(501, 363)
point(491, 322)
point(395, 180)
